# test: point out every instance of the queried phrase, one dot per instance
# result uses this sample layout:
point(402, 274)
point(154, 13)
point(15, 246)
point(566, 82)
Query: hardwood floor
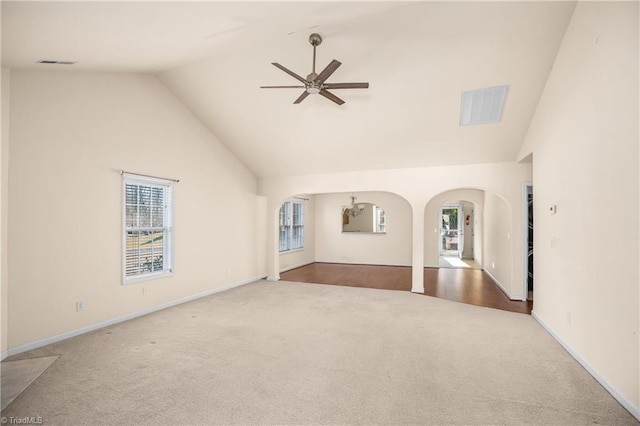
point(471, 286)
point(369, 276)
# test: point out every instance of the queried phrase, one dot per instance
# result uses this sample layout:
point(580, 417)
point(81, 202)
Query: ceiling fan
point(315, 83)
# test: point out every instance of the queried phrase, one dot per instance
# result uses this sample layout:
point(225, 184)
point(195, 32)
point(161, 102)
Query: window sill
point(146, 277)
point(292, 251)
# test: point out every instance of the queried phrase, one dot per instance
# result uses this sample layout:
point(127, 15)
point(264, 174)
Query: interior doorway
point(528, 261)
point(456, 236)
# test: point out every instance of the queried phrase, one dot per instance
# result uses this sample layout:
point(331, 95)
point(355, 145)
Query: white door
point(451, 231)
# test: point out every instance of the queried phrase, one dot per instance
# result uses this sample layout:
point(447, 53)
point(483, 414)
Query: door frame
point(527, 188)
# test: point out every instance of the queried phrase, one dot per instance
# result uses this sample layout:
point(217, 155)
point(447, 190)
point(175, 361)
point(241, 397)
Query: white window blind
point(291, 226)
point(285, 227)
point(148, 228)
point(297, 235)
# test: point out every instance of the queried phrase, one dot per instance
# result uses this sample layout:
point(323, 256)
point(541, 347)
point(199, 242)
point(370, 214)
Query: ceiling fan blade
point(291, 73)
point(331, 97)
point(282, 87)
point(346, 85)
point(327, 71)
point(301, 97)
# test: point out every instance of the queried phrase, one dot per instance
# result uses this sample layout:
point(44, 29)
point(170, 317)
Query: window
point(380, 220)
point(291, 226)
point(148, 228)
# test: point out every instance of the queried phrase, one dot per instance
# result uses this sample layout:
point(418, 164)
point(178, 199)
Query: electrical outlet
point(144, 291)
point(569, 318)
point(79, 305)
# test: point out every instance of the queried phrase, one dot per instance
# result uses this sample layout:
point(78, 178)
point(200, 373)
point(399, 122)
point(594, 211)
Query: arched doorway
point(453, 229)
point(457, 235)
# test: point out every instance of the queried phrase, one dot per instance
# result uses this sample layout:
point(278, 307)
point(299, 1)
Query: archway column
point(417, 250)
point(273, 257)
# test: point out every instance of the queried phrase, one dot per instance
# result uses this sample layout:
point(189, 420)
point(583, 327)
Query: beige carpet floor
point(291, 353)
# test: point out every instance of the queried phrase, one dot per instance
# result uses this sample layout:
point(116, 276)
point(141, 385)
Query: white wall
point(498, 247)
point(4, 193)
point(478, 233)
point(296, 258)
point(390, 248)
point(467, 210)
point(71, 134)
point(431, 225)
point(584, 139)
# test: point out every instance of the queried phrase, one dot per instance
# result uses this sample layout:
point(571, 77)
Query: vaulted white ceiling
point(417, 56)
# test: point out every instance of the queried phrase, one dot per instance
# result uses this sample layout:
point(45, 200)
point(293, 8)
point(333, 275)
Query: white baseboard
point(628, 405)
point(504, 290)
point(343, 262)
point(69, 334)
point(288, 268)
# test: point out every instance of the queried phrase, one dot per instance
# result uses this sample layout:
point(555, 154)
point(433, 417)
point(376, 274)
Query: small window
point(291, 226)
point(148, 228)
point(381, 221)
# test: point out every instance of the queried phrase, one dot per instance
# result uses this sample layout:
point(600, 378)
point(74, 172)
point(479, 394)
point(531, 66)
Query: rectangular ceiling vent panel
point(482, 106)
point(46, 61)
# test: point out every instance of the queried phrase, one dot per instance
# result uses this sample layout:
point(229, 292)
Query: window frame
point(167, 227)
point(291, 226)
point(380, 218)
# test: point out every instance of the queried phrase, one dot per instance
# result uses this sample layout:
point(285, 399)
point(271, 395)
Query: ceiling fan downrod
point(315, 39)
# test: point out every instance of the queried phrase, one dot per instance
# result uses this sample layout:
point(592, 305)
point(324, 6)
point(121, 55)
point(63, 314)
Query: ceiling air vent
point(46, 61)
point(482, 106)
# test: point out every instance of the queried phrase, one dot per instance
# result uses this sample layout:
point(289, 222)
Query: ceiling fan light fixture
point(353, 209)
point(313, 90)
